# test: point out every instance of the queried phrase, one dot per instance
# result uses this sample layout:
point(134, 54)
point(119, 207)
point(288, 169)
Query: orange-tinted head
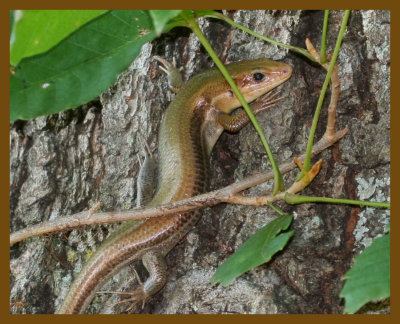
point(254, 78)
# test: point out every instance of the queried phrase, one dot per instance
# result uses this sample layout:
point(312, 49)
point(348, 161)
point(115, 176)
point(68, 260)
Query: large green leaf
point(36, 31)
point(161, 17)
point(81, 66)
point(180, 20)
point(369, 279)
point(257, 250)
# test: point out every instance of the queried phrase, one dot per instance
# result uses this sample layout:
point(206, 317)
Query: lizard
point(191, 125)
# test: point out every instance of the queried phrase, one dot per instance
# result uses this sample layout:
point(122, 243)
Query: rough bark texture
point(66, 163)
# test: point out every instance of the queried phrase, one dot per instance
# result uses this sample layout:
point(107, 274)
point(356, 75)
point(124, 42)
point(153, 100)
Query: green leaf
point(181, 21)
point(36, 31)
point(161, 17)
point(81, 66)
point(257, 250)
point(369, 279)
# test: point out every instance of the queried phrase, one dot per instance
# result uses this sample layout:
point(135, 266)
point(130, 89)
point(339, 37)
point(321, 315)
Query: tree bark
point(66, 163)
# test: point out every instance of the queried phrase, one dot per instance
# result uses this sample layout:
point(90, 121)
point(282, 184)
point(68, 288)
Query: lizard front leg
point(234, 123)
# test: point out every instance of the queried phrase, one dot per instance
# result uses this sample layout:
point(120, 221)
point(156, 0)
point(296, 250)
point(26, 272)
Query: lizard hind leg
point(157, 268)
point(134, 297)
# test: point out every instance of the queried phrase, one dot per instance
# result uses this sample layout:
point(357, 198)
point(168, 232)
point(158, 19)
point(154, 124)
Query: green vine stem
point(278, 179)
point(307, 161)
point(278, 185)
point(323, 38)
point(299, 50)
point(299, 199)
point(278, 210)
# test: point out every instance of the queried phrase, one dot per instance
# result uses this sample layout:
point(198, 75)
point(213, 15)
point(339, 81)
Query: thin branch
point(268, 200)
point(205, 200)
point(335, 90)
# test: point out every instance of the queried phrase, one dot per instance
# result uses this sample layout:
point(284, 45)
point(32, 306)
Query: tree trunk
point(68, 162)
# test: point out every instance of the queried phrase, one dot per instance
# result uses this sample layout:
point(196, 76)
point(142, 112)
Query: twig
point(205, 200)
point(228, 194)
point(335, 91)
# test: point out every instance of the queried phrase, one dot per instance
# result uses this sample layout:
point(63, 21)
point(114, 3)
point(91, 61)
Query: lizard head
point(253, 78)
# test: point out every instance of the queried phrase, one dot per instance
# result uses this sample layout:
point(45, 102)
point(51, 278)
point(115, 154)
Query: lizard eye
point(258, 76)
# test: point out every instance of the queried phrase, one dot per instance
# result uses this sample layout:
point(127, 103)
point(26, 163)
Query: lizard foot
point(136, 297)
point(266, 101)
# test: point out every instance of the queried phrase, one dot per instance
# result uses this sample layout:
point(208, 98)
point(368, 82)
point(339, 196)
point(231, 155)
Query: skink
point(191, 125)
